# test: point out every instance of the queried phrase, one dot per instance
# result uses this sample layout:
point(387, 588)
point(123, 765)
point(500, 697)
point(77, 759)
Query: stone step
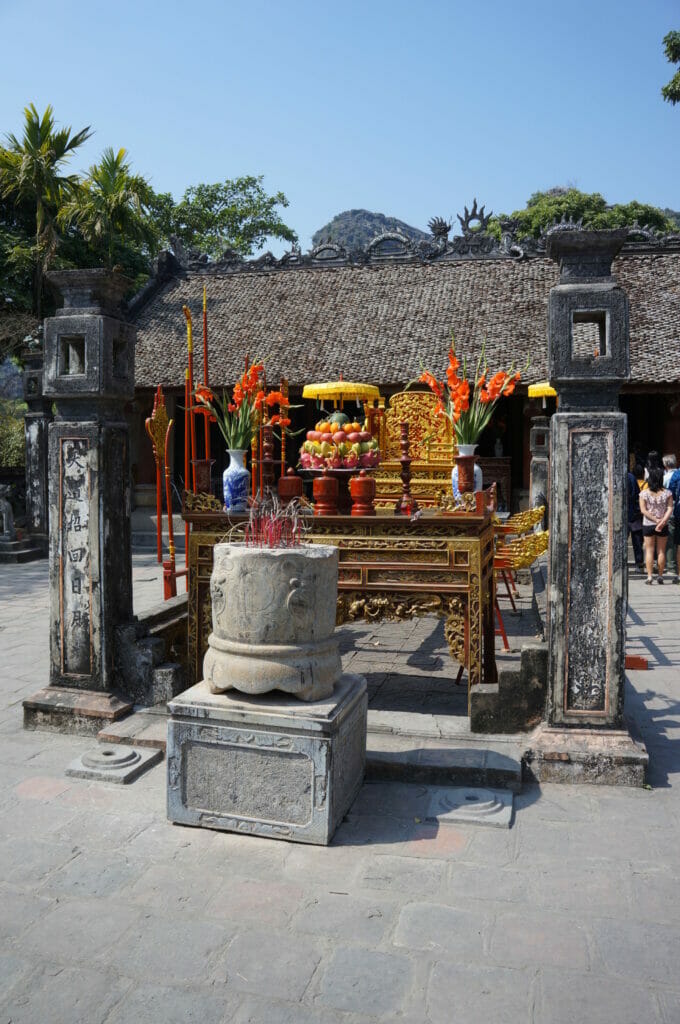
point(463, 761)
point(141, 729)
point(11, 555)
point(469, 762)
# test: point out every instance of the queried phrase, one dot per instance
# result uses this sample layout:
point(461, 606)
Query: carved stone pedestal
point(270, 765)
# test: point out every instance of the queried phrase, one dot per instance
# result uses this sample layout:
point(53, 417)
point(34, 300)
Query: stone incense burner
point(273, 613)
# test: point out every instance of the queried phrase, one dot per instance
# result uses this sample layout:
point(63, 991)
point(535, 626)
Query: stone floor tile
point(487, 882)
point(669, 1004)
point(345, 918)
point(13, 969)
point(433, 927)
point(153, 1004)
point(173, 887)
point(564, 998)
point(64, 995)
point(531, 938)
point(261, 902)
point(656, 892)
point(648, 952)
point(259, 1011)
point(403, 876)
point(19, 909)
point(78, 929)
point(23, 859)
point(470, 994)
point(159, 945)
point(583, 887)
point(391, 799)
point(92, 874)
point(366, 982)
point(267, 963)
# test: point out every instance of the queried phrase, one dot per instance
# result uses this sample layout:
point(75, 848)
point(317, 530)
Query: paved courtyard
point(110, 914)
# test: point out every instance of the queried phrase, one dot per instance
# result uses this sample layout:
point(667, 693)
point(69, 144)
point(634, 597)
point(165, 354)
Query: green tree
point(671, 45)
point(110, 207)
point(544, 208)
point(237, 214)
point(31, 171)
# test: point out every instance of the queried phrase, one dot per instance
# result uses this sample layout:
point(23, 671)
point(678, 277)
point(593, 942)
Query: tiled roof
point(380, 323)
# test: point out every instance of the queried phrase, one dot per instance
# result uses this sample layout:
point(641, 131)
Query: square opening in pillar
point(589, 334)
point(71, 355)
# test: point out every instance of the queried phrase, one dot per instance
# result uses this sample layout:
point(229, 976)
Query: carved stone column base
point(267, 765)
point(60, 709)
point(606, 757)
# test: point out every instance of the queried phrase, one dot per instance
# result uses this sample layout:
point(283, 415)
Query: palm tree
point(31, 171)
point(110, 204)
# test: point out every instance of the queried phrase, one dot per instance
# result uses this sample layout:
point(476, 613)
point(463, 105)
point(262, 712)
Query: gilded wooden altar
point(431, 449)
point(390, 568)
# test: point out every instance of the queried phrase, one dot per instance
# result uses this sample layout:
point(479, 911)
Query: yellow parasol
point(542, 390)
point(341, 391)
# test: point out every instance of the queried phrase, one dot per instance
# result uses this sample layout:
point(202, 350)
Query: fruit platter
point(339, 443)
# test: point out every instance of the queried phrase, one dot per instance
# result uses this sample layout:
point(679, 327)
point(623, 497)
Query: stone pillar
point(89, 375)
point(588, 362)
point(539, 446)
point(36, 422)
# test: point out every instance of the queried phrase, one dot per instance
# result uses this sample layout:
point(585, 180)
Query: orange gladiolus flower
point(277, 398)
point(432, 383)
point(204, 394)
point(282, 421)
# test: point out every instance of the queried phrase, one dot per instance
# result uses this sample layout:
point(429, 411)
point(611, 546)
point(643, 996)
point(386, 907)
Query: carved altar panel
point(430, 435)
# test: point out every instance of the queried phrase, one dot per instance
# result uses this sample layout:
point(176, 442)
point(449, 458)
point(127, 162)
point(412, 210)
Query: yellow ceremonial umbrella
point(340, 391)
point(542, 390)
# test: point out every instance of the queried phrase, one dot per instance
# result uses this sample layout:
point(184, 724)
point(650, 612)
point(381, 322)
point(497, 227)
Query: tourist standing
point(669, 467)
point(674, 487)
point(656, 505)
point(635, 519)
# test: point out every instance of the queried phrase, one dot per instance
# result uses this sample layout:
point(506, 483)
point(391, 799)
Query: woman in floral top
point(656, 505)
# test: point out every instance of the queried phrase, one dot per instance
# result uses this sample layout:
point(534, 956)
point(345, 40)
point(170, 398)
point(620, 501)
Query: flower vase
point(236, 481)
point(466, 477)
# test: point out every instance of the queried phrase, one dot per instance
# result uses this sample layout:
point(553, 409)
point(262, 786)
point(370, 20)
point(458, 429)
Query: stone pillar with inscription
point(539, 445)
point(585, 739)
point(36, 422)
point(588, 361)
point(88, 375)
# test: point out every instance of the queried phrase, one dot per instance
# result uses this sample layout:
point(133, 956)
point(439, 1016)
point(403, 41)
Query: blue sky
point(408, 108)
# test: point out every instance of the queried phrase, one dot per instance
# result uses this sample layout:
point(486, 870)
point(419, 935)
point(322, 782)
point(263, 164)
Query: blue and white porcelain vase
point(236, 481)
point(465, 462)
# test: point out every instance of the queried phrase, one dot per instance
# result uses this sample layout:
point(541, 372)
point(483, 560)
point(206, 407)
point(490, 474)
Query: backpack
point(674, 488)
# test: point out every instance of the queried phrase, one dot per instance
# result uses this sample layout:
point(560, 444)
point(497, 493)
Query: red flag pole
point(192, 418)
point(206, 419)
point(187, 485)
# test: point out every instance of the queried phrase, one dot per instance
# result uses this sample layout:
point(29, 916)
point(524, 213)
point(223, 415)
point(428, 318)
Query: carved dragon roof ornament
point(475, 242)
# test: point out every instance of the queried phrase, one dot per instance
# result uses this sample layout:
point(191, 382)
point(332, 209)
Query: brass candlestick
point(407, 504)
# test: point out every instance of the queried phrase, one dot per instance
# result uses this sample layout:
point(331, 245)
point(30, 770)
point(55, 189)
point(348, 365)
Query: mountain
point(355, 229)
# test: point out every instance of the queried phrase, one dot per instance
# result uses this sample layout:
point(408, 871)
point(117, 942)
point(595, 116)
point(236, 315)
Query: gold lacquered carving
point(201, 502)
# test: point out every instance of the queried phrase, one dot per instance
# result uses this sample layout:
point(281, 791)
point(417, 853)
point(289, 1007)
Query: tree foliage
point(544, 208)
point(51, 217)
point(237, 214)
point(110, 207)
point(671, 45)
point(32, 172)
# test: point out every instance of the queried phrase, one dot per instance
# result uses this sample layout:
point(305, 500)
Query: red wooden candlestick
point(406, 504)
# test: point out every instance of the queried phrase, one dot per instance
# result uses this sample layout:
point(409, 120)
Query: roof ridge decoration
point(393, 247)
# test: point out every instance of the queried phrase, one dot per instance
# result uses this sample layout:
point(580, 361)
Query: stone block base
point(269, 765)
point(59, 709)
point(605, 757)
point(17, 551)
